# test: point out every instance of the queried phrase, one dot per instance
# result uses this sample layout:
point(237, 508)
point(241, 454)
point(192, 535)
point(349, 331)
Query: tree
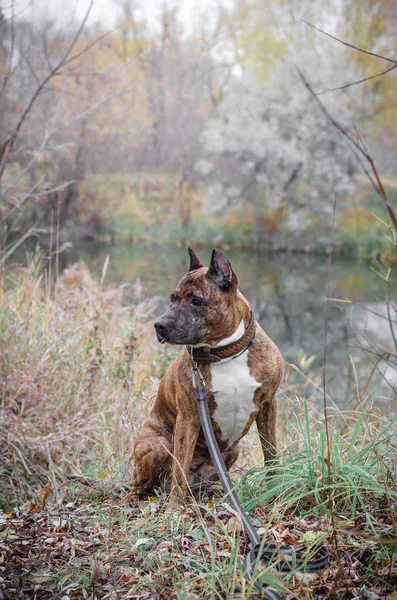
point(268, 148)
point(50, 85)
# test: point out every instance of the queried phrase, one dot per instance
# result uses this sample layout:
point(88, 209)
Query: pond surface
point(288, 295)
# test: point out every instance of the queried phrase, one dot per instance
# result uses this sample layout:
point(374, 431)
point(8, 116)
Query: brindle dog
point(207, 311)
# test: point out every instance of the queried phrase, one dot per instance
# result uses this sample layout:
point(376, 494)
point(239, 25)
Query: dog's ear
point(194, 261)
point(220, 271)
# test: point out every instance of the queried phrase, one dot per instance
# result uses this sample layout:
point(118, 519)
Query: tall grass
point(75, 378)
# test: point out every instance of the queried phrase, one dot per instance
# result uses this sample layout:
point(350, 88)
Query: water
point(288, 294)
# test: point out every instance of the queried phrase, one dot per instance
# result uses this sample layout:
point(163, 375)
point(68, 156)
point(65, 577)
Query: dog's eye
point(196, 301)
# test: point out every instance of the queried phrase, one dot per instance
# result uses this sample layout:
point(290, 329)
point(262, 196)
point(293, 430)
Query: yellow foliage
point(357, 219)
point(390, 255)
point(272, 217)
point(370, 25)
point(256, 41)
point(129, 207)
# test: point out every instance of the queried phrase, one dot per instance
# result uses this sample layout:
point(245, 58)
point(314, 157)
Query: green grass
point(364, 229)
point(79, 371)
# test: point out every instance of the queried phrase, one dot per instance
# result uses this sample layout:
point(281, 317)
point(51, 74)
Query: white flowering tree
point(271, 148)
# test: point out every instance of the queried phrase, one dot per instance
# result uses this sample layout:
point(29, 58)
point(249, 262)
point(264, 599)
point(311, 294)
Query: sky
point(108, 12)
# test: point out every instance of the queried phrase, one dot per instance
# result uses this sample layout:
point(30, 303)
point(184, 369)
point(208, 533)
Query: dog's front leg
point(266, 423)
point(186, 432)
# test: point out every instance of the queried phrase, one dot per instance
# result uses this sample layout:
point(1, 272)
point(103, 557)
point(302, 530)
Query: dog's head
point(202, 310)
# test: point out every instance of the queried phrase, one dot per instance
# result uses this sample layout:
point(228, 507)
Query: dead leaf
point(234, 524)
point(307, 578)
point(33, 509)
point(40, 579)
point(44, 495)
point(145, 542)
point(289, 539)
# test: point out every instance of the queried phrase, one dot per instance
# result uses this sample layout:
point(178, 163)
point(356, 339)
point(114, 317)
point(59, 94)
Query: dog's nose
point(160, 326)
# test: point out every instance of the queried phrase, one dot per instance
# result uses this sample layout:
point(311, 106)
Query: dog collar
point(232, 350)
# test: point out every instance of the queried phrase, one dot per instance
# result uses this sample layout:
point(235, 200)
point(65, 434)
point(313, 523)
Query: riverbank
point(160, 209)
point(164, 210)
point(80, 368)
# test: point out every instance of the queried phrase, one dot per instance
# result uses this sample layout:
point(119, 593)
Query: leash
point(294, 557)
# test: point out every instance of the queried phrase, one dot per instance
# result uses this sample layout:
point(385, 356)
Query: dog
point(242, 369)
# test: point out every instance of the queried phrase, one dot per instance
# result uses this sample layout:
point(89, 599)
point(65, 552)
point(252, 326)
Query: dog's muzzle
point(161, 330)
point(171, 331)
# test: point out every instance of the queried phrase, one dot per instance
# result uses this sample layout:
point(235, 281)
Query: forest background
point(163, 127)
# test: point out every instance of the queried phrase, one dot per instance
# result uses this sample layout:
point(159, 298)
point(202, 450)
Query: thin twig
point(44, 82)
point(327, 435)
point(372, 174)
point(88, 47)
point(358, 81)
point(367, 355)
point(25, 236)
point(391, 323)
point(348, 44)
point(347, 85)
point(373, 312)
point(360, 399)
point(309, 380)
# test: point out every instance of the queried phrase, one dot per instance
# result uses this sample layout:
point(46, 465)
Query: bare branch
point(391, 324)
point(358, 149)
point(347, 85)
point(348, 44)
point(88, 47)
point(21, 240)
point(46, 79)
point(49, 132)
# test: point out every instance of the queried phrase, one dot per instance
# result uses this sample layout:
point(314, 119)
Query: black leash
point(268, 552)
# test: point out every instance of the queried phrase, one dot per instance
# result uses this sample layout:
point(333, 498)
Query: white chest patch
point(233, 388)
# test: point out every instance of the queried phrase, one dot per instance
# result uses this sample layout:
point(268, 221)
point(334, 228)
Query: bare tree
point(42, 125)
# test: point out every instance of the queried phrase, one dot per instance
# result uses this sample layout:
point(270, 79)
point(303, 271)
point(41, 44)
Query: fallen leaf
point(40, 578)
point(44, 495)
point(33, 509)
point(306, 578)
point(145, 542)
point(234, 524)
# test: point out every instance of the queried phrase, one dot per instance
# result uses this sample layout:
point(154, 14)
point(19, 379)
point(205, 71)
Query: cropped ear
point(194, 261)
point(220, 272)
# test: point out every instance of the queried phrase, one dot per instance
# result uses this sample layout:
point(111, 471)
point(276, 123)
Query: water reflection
point(288, 295)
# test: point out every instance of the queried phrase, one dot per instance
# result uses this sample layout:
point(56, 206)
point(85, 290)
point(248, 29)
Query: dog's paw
point(136, 494)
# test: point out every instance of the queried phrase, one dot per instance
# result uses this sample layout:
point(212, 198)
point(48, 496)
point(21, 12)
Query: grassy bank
point(79, 370)
point(165, 209)
point(364, 227)
point(149, 208)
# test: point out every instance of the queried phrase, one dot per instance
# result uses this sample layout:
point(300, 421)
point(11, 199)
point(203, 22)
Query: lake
point(287, 293)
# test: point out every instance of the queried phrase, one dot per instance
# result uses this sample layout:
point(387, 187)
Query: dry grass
point(76, 379)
